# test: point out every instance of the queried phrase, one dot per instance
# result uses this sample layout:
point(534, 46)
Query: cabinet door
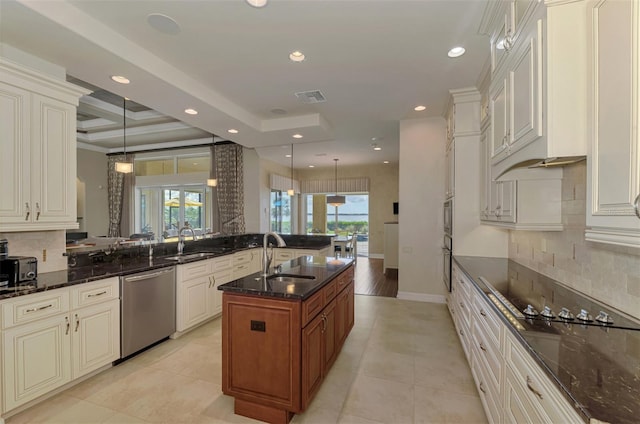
point(36, 359)
point(485, 175)
point(525, 91)
point(507, 195)
point(330, 340)
point(500, 43)
point(344, 314)
point(614, 163)
point(518, 408)
point(96, 337)
point(312, 358)
point(499, 118)
point(450, 171)
point(215, 295)
point(53, 159)
point(14, 160)
point(193, 302)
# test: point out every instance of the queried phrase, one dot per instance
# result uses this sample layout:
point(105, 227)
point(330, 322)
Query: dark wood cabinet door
point(312, 358)
point(330, 340)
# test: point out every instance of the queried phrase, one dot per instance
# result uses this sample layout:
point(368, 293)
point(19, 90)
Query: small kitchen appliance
point(4, 249)
point(19, 269)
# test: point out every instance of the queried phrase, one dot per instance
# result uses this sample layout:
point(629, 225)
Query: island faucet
point(266, 259)
point(181, 238)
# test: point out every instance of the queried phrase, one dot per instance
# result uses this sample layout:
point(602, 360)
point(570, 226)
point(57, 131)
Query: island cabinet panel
point(277, 352)
point(261, 360)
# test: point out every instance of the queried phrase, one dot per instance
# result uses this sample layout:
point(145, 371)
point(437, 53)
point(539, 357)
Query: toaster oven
point(19, 269)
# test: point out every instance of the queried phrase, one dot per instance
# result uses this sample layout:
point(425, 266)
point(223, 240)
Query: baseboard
point(422, 297)
point(376, 255)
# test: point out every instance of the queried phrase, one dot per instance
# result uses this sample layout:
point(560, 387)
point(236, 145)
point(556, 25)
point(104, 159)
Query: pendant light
point(291, 191)
point(124, 167)
point(213, 180)
point(336, 200)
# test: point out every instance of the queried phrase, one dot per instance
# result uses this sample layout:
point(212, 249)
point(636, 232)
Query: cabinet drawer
point(488, 355)
point(195, 269)
point(285, 255)
point(95, 292)
point(223, 262)
point(330, 291)
point(489, 322)
point(491, 401)
point(34, 306)
point(241, 257)
point(241, 270)
point(344, 279)
point(538, 389)
point(312, 306)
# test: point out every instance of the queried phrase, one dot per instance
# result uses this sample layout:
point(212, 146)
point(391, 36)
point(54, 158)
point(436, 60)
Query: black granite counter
point(595, 366)
point(85, 267)
point(323, 269)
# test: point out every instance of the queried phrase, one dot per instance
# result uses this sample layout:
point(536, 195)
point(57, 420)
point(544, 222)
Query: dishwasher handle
point(146, 276)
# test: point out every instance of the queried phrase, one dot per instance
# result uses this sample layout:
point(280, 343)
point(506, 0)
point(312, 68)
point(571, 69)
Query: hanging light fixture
point(336, 200)
point(213, 180)
point(124, 167)
point(291, 191)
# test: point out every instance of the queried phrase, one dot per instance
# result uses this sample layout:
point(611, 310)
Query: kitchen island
point(282, 333)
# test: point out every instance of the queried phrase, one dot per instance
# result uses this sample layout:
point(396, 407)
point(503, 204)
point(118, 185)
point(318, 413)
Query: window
point(351, 217)
point(280, 207)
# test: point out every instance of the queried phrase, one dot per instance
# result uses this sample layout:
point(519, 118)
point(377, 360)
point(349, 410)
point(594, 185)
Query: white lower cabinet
point(511, 386)
point(246, 262)
point(197, 294)
point(49, 339)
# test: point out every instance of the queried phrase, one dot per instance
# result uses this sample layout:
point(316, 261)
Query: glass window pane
point(171, 212)
point(191, 164)
point(148, 167)
point(194, 208)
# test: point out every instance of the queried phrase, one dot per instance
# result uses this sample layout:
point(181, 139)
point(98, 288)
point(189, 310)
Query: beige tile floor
point(402, 363)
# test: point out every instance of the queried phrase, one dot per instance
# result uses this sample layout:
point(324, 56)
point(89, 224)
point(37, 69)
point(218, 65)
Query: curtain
point(345, 185)
point(120, 192)
point(230, 189)
point(115, 188)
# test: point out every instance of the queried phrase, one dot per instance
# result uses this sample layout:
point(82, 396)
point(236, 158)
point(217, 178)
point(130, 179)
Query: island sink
point(291, 278)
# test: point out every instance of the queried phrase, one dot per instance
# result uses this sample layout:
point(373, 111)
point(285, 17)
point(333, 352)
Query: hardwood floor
point(370, 280)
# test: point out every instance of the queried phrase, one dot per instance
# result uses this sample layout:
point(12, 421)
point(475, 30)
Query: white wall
point(422, 169)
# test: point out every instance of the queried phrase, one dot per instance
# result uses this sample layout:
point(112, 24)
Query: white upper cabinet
point(38, 164)
point(613, 172)
point(537, 97)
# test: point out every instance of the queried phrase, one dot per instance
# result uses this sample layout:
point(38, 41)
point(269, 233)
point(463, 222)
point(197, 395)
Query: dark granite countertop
point(596, 367)
point(324, 269)
point(91, 266)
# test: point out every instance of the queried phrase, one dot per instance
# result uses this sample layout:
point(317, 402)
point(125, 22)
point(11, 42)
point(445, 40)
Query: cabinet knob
point(27, 211)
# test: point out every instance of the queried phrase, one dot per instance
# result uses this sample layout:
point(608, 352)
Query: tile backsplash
point(38, 244)
point(607, 273)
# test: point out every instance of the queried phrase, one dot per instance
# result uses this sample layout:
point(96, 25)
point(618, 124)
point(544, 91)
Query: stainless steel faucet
point(266, 259)
point(181, 238)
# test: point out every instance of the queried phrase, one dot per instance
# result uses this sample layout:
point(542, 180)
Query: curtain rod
point(164, 149)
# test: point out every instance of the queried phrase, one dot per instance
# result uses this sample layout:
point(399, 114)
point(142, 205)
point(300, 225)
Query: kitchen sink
point(188, 256)
point(291, 278)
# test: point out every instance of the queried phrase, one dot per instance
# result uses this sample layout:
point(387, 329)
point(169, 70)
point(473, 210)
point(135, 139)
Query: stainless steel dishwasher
point(148, 312)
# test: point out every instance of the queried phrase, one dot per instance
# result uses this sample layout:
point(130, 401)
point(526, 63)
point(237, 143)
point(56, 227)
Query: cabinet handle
point(97, 294)
point(636, 206)
point(461, 305)
point(483, 347)
point(68, 325)
point(483, 313)
point(77, 323)
point(27, 211)
point(324, 323)
point(37, 211)
point(461, 333)
point(481, 387)
point(39, 308)
point(533, 390)
point(210, 281)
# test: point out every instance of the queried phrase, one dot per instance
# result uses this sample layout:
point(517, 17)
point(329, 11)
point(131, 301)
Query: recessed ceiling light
point(257, 3)
point(287, 155)
point(297, 136)
point(232, 131)
point(386, 161)
point(191, 111)
point(419, 108)
point(312, 166)
point(296, 56)
point(456, 52)
point(120, 79)
point(376, 147)
point(163, 23)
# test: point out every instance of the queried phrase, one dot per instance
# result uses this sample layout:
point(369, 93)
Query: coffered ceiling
point(373, 61)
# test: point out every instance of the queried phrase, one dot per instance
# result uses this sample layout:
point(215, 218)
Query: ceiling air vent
point(314, 96)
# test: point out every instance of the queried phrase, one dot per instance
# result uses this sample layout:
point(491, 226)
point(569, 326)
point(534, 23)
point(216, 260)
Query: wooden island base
point(260, 412)
point(276, 352)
